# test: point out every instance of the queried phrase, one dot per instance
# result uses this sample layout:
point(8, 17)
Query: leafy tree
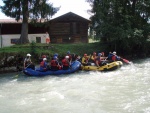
point(122, 23)
point(28, 10)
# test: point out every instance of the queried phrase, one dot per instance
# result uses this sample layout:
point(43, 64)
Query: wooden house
point(69, 28)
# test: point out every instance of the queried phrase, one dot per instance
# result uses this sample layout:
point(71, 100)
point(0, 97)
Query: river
point(126, 90)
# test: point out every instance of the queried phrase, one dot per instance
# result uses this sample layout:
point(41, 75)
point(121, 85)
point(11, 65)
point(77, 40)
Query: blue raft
point(75, 66)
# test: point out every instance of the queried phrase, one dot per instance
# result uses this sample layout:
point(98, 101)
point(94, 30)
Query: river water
point(126, 90)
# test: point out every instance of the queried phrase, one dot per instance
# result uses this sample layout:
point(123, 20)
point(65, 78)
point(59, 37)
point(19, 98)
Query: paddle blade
point(126, 61)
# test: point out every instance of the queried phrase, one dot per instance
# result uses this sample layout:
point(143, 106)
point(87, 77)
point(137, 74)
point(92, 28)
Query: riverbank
point(18, 53)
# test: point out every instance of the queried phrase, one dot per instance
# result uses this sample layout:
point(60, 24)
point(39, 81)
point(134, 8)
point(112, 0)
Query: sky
point(78, 7)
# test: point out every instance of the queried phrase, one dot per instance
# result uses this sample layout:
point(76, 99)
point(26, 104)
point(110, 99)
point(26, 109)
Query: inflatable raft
point(108, 67)
point(75, 66)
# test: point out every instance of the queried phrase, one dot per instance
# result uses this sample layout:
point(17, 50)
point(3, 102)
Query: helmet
point(43, 56)
point(99, 54)
point(28, 54)
point(94, 53)
point(67, 57)
point(68, 52)
point(55, 57)
point(44, 59)
point(85, 54)
point(114, 52)
point(56, 54)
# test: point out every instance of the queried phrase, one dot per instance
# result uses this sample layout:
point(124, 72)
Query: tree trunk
point(24, 30)
point(24, 33)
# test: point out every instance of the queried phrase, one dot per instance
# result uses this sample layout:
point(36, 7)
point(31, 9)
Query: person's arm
point(24, 63)
point(96, 62)
point(83, 61)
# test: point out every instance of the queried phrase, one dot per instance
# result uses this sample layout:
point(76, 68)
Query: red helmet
point(85, 54)
point(43, 56)
point(94, 53)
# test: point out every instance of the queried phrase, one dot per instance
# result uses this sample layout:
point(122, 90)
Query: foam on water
point(126, 90)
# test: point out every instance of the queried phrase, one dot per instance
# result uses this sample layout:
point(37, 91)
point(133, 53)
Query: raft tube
point(75, 66)
point(108, 67)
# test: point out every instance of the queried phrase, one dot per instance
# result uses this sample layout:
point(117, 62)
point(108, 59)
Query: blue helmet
point(68, 52)
point(55, 57)
point(56, 54)
point(99, 54)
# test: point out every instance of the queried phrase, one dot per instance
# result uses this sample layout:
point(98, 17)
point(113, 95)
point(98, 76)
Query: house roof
point(66, 17)
point(70, 16)
point(9, 21)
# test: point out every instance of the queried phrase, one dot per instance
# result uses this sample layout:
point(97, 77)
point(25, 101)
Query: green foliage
point(122, 23)
point(33, 48)
point(39, 49)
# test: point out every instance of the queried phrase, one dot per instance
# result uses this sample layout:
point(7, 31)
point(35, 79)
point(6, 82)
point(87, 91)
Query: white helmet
point(67, 57)
point(114, 52)
point(28, 54)
point(44, 59)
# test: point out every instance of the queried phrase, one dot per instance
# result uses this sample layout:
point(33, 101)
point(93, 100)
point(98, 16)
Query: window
point(14, 41)
point(38, 39)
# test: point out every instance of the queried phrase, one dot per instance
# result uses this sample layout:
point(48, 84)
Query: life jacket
point(113, 58)
point(54, 63)
point(43, 64)
point(110, 56)
point(85, 60)
point(65, 62)
point(27, 61)
point(93, 57)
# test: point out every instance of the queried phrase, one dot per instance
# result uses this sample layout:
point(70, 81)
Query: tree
point(123, 23)
point(28, 10)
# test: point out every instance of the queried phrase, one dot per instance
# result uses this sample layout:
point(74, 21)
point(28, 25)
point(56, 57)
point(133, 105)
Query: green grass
point(79, 48)
point(37, 49)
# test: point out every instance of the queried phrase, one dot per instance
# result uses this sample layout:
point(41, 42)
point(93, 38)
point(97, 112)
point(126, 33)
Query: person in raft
point(65, 63)
point(28, 63)
point(70, 56)
point(85, 60)
point(93, 57)
point(43, 65)
point(115, 57)
point(41, 58)
point(55, 64)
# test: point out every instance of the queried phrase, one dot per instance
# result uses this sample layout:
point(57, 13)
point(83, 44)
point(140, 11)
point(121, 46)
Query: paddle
point(125, 60)
point(17, 75)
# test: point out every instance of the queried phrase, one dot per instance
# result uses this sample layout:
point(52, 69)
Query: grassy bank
point(49, 49)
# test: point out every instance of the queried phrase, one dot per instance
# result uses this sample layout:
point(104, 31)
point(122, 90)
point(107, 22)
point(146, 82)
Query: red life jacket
point(42, 64)
point(113, 58)
point(54, 63)
point(65, 62)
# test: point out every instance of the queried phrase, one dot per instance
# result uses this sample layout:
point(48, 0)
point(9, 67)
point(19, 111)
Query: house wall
point(69, 32)
point(7, 40)
point(10, 32)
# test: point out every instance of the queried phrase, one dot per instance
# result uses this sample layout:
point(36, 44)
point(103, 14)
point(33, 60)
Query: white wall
point(6, 39)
